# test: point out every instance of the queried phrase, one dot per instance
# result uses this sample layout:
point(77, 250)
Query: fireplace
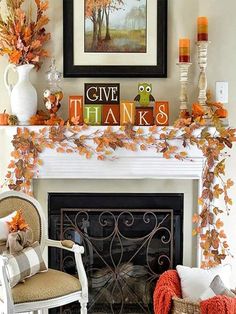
point(129, 240)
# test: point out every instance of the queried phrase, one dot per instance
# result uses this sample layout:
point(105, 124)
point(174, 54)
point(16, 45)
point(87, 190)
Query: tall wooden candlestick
point(202, 61)
point(184, 69)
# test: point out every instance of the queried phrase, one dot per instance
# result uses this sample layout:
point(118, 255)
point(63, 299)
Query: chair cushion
point(45, 286)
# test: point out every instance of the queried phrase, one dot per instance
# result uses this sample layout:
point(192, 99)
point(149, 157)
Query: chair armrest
point(77, 250)
point(66, 245)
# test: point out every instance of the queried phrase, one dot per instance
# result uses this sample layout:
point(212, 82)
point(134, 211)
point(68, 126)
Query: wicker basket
point(180, 306)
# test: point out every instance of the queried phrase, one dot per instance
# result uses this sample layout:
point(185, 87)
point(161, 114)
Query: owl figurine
point(144, 96)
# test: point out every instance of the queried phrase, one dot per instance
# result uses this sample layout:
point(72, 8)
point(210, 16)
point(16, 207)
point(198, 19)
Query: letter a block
point(111, 115)
point(161, 113)
point(93, 114)
point(76, 108)
point(127, 113)
point(144, 116)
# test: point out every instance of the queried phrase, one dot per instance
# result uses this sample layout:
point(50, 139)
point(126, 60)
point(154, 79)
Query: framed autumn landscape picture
point(115, 38)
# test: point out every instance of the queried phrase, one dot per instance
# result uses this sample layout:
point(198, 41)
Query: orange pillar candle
point(184, 50)
point(202, 28)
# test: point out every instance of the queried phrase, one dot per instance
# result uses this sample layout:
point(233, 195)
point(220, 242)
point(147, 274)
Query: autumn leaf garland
point(28, 145)
point(22, 38)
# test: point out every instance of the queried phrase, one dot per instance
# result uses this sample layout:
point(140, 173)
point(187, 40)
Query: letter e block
point(76, 108)
point(127, 113)
point(111, 115)
point(93, 114)
point(144, 116)
point(161, 113)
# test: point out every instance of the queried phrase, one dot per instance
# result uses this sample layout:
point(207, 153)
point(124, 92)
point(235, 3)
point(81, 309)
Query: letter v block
point(144, 116)
point(111, 115)
point(93, 114)
point(127, 113)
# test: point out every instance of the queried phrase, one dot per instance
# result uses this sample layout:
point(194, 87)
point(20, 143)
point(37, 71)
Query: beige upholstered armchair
point(44, 290)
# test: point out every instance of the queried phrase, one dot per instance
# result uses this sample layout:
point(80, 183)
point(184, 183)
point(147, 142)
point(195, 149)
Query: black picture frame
point(159, 70)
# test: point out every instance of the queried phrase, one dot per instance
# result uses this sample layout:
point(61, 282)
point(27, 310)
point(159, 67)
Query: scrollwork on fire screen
point(122, 265)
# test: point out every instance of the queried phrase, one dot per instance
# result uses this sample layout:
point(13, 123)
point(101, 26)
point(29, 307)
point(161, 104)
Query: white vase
point(23, 95)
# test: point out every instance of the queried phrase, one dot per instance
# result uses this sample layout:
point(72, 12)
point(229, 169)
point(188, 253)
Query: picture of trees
point(116, 26)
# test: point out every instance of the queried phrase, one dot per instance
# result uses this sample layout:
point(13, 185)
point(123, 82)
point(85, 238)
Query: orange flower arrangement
point(17, 223)
point(21, 37)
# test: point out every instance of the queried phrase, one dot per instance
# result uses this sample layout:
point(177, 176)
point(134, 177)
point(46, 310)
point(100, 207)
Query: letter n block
point(111, 115)
point(76, 108)
point(161, 113)
point(93, 114)
point(127, 113)
point(144, 116)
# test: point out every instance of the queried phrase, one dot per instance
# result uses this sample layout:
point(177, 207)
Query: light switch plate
point(222, 92)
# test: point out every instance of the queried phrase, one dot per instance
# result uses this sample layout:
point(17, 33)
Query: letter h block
point(93, 114)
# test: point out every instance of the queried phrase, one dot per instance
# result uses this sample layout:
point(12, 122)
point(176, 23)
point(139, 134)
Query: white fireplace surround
point(128, 165)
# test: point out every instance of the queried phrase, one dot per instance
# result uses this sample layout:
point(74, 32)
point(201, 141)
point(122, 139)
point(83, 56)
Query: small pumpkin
point(4, 118)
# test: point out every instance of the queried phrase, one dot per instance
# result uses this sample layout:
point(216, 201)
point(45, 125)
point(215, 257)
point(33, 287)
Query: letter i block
point(127, 113)
point(76, 108)
point(111, 115)
point(93, 114)
point(161, 113)
point(144, 116)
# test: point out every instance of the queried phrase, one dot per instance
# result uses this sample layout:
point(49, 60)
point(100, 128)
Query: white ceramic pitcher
point(23, 95)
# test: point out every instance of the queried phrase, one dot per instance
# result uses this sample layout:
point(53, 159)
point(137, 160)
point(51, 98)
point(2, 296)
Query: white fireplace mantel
point(128, 165)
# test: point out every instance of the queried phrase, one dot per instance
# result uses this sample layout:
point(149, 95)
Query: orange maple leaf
point(17, 223)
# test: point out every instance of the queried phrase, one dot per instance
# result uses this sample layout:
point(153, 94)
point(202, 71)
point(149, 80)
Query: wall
point(222, 65)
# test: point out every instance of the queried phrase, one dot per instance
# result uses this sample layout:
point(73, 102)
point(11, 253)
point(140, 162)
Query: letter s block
point(111, 115)
point(161, 113)
point(93, 114)
point(144, 116)
point(127, 113)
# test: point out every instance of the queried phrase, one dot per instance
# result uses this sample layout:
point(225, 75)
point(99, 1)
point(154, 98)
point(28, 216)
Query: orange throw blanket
point(168, 286)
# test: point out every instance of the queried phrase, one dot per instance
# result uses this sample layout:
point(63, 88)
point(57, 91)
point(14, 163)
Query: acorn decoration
point(13, 120)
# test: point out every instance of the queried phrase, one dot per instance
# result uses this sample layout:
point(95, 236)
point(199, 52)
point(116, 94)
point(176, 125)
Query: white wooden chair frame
point(8, 306)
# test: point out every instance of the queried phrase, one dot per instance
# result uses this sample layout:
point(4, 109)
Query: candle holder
point(184, 70)
point(202, 83)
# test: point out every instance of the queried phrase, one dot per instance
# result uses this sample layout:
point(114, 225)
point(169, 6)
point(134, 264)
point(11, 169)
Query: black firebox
point(129, 239)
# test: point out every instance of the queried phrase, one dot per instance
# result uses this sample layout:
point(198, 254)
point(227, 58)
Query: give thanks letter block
point(76, 108)
point(127, 113)
point(111, 115)
point(161, 113)
point(93, 114)
point(144, 116)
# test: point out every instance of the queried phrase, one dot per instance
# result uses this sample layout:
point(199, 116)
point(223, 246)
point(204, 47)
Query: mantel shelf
point(128, 165)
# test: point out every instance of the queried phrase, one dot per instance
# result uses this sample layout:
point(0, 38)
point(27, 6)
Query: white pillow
point(4, 230)
point(195, 281)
